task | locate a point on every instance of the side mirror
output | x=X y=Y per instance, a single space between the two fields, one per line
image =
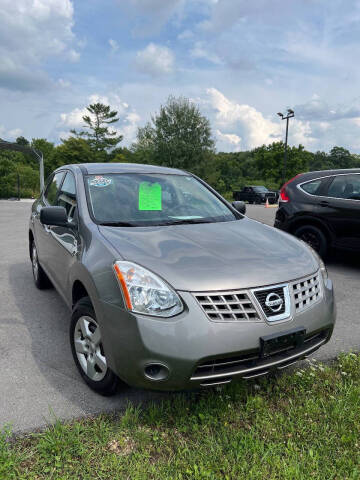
x=54 y=216
x=239 y=206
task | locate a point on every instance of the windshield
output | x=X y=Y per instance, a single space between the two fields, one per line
x=261 y=189
x=143 y=200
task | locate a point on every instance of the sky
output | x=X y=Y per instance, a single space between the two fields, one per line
x=241 y=61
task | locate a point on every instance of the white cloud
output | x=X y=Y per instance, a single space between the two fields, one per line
x=129 y=127
x=256 y=128
x=186 y=35
x=14 y=133
x=73 y=55
x=74 y=118
x=113 y=45
x=250 y=126
x=199 y=51
x=155 y=60
x=31 y=32
x=230 y=140
x=10 y=134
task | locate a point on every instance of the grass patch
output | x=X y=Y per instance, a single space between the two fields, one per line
x=303 y=425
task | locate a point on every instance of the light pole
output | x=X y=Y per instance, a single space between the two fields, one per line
x=290 y=114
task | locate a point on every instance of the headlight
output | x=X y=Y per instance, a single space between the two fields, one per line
x=144 y=292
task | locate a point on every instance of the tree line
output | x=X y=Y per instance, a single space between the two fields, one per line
x=178 y=136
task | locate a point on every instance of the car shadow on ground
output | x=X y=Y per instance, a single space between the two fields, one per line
x=47 y=319
x=340 y=258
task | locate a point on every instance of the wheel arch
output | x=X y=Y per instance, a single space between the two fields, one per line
x=31 y=240
x=78 y=292
x=315 y=222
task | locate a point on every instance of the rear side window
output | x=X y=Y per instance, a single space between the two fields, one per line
x=67 y=195
x=53 y=187
x=345 y=186
x=312 y=187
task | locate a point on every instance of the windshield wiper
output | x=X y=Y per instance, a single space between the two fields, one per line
x=118 y=224
x=184 y=221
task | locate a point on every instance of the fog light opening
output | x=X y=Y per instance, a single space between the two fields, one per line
x=156 y=371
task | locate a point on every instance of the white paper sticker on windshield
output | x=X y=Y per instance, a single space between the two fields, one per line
x=100 y=181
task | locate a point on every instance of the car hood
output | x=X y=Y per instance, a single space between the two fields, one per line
x=214 y=256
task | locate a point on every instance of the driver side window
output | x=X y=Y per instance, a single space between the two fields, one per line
x=67 y=196
x=53 y=187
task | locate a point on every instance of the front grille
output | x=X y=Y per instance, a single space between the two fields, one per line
x=251 y=363
x=274 y=303
x=228 y=307
x=306 y=292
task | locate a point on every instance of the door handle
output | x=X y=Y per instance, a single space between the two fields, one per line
x=324 y=204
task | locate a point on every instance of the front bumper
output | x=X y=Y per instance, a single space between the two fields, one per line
x=198 y=352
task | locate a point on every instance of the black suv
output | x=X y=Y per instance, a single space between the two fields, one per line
x=323 y=209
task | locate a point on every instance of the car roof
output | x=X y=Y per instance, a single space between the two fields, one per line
x=326 y=173
x=100 y=168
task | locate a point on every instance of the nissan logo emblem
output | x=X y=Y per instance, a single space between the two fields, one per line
x=274 y=302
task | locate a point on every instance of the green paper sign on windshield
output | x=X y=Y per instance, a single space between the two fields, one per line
x=149 y=196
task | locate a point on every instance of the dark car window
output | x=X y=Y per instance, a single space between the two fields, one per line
x=312 y=187
x=345 y=186
x=261 y=189
x=67 y=195
x=153 y=199
x=53 y=187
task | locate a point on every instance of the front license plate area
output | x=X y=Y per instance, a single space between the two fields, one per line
x=278 y=342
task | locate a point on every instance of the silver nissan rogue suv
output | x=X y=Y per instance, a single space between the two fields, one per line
x=170 y=286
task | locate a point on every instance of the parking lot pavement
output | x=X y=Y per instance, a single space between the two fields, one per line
x=38 y=377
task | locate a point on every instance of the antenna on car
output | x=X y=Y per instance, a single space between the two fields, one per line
x=4 y=145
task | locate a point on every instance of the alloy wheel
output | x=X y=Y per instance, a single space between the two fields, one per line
x=35 y=262
x=311 y=239
x=89 y=349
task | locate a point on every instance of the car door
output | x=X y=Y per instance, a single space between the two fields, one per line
x=64 y=242
x=248 y=194
x=42 y=232
x=342 y=204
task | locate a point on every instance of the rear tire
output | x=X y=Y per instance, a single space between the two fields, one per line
x=87 y=350
x=314 y=237
x=41 y=280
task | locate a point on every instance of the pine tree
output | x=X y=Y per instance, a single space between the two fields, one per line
x=99 y=137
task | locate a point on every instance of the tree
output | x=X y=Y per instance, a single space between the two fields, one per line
x=72 y=150
x=22 y=141
x=47 y=149
x=270 y=161
x=320 y=161
x=179 y=136
x=340 y=158
x=98 y=135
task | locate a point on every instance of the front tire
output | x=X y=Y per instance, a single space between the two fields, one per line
x=41 y=280
x=314 y=237
x=88 y=351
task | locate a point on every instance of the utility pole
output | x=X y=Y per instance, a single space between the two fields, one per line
x=290 y=114
x=18 y=186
